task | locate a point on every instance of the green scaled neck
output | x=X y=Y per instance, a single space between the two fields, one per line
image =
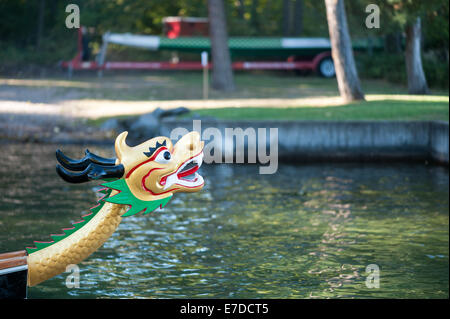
x=126 y=197
x=75 y=226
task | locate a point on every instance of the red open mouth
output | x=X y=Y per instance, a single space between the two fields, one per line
x=185 y=172
x=187 y=169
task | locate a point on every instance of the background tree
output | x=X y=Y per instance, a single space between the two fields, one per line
x=417 y=83
x=298 y=18
x=407 y=15
x=292 y=17
x=40 y=24
x=397 y=18
x=222 y=73
x=342 y=51
x=286 y=17
x=20 y=20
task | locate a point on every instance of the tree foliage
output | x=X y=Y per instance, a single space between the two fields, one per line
x=19 y=21
x=19 y=18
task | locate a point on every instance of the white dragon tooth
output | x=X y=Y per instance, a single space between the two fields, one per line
x=171 y=179
x=199 y=159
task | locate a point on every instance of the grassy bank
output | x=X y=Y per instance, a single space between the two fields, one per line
x=370 y=110
x=261 y=95
x=159 y=86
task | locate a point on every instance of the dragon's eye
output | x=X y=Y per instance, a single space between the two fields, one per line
x=163 y=157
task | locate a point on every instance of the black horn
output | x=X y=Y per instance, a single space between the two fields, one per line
x=82 y=164
x=92 y=172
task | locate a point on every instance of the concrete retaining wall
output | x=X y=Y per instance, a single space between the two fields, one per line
x=335 y=140
x=439 y=141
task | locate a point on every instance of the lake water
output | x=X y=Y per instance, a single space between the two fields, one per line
x=309 y=231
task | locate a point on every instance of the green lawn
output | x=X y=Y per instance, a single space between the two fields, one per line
x=370 y=110
x=259 y=95
x=159 y=86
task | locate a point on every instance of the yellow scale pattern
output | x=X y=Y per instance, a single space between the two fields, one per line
x=53 y=260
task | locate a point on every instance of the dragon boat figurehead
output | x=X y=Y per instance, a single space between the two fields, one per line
x=141 y=179
x=148 y=174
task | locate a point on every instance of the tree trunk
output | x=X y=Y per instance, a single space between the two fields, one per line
x=286 y=17
x=254 y=21
x=298 y=18
x=342 y=52
x=222 y=73
x=40 y=24
x=417 y=83
x=241 y=9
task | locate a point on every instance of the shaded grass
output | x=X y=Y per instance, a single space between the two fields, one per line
x=177 y=85
x=385 y=100
x=371 y=110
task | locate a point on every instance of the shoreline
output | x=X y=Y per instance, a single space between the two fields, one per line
x=298 y=141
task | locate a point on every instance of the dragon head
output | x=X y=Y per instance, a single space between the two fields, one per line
x=146 y=176
x=156 y=168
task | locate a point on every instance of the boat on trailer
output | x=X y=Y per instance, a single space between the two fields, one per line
x=294 y=53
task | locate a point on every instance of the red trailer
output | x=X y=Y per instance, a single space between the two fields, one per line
x=187 y=34
x=175 y=27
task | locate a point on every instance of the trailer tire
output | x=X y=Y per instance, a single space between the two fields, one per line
x=326 y=68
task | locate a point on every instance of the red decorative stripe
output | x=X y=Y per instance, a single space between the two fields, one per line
x=164 y=177
x=149 y=190
x=98 y=204
x=83 y=220
x=188 y=172
x=149 y=160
